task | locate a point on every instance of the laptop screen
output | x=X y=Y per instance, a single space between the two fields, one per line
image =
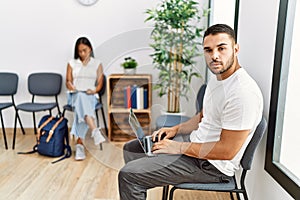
x=135 y=125
x=145 y=141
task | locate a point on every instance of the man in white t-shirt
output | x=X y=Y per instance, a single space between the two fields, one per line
x=207 y=148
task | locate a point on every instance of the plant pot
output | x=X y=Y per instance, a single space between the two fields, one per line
x=129 y=70
x=168 y=119
x=164 y=112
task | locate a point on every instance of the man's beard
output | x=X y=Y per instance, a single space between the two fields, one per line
x=228 y=65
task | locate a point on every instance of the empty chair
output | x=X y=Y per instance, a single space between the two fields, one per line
x=98 y=107
x=231 y=186
x=8 y=87
x=44 y=84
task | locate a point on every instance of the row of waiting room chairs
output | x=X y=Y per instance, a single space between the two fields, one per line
x=39 y=84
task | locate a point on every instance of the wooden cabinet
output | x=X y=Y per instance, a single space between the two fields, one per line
x=118 y=126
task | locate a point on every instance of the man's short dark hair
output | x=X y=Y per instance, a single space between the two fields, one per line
x=220 y=28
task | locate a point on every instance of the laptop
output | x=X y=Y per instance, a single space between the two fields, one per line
x=145 y=140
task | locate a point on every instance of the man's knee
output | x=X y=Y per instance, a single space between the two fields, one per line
x=132 y=150
x=126 y=175
x=129 y=187
x=124 y=183
x=130 y=146
x=121 y=176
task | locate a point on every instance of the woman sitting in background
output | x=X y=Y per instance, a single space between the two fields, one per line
x=84 y=81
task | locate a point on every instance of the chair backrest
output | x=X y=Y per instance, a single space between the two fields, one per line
x=8 y=83
x=102 y=91
x=247 y=158
x=200 y=95
x=44 y=84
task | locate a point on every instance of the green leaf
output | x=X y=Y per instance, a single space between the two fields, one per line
x=176 y=27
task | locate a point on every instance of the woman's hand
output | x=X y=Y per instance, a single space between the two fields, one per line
x=164 y=133
x=70 y=86
x=90 y=91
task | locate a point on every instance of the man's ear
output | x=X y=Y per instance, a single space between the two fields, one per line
x=236 y=48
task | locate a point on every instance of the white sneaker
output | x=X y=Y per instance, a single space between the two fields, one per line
x=80 y=153
x=98 y=136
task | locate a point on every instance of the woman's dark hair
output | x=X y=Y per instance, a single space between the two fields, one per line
x=85 y=41
x=220 y=28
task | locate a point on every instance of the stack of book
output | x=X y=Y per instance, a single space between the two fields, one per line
x=135 y=97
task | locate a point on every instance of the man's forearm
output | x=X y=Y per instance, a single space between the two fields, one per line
x=190 y=125
x=226 y=148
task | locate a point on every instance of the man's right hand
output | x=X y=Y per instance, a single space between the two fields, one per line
x=164 y=133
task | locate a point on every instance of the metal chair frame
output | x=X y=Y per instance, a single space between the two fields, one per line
x=8 y=87
x=44 y=84
x=231 y=186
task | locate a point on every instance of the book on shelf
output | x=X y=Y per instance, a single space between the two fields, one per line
x=135 y=97
x=127 y=99
x=145 y=98
x=140 y=97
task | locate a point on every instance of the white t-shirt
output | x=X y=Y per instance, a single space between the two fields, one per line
x=84 y=77
x=235 y=103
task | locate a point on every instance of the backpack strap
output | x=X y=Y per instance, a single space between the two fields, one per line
x=34 y=149
x=67 y=155
x=41 y=127
x=53 y=129
x=44 y=124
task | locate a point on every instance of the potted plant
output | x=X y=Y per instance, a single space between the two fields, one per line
x=176 y=36
x=129 y=65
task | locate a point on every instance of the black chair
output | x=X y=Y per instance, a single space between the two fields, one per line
x=44 y=85
x=8 y=87
x=231 y=186
x=98 y=107
x=172 y=120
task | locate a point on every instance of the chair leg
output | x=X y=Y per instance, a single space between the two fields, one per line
x=104 y=121
x=34 y=124
x=231 y=196
x=59 y=113
x=97 y=118
x=15 y=130
x=98 y=125
x=245 y=195
x=172 y=193
x=63 y=113
x=3 y=130
x=19 y=119
x=165 y=192
x=238 y=196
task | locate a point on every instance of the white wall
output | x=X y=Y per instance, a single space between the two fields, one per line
x=40 y=36
x=257 y=35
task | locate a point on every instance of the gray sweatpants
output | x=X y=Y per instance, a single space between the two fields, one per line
x=141 y=172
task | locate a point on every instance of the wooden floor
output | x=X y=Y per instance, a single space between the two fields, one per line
x=34 y=177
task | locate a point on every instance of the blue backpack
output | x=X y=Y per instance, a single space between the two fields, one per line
x=52 y=138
